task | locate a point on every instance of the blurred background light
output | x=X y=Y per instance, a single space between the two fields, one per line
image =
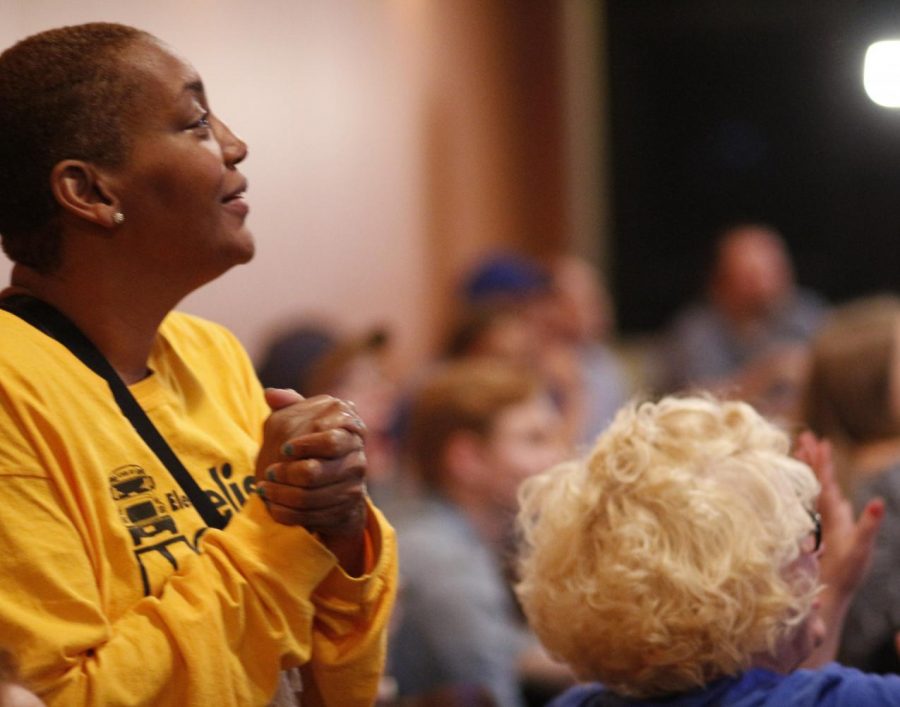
x=881 y=73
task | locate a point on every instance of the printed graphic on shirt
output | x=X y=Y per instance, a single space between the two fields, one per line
x=229 y=493
x=149 y=515
x=141 y=510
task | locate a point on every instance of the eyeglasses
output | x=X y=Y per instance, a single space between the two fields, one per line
x=814 y=541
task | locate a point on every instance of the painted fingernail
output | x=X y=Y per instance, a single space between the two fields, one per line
x=288 y=450
x=270 y=473
x=261 y=491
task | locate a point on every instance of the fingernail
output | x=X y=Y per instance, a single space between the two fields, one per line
x=261 y=491
x=270 y=473
x=288 y=450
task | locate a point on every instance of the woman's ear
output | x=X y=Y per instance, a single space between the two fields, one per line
x=81 y=190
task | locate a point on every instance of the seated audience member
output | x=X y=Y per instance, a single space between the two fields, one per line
x=12 y=694
x=477 y=427
x=853 y=398
x=506 y=332
x=586 y=322
x=314 y=360
x=748 y=338
x=514 y=308
x=679 y=564
x=496 y=330
x=507 y=310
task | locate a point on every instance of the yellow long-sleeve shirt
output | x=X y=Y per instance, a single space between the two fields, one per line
x=112 y=592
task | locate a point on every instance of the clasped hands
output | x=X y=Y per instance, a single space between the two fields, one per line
x=311 y=470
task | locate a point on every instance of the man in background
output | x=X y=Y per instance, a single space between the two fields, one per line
x=748 y=337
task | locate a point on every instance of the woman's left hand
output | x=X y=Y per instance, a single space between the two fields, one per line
x=847 y=543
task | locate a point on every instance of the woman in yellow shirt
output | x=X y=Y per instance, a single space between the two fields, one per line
x=125 y=582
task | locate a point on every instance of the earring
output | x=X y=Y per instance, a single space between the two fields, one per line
x=118 y=218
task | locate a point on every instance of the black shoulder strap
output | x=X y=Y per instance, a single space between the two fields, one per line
x=56 y=325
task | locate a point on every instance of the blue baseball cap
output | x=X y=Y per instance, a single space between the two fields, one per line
x=507 y=276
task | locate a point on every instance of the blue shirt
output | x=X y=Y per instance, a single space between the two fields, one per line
x=831 y=686
x=456 y=624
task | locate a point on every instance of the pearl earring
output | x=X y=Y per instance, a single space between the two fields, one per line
x=118 y=218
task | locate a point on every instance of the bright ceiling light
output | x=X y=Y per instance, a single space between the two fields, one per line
x=881 y=73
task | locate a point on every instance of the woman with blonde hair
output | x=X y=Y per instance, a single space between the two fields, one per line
x=678 y=564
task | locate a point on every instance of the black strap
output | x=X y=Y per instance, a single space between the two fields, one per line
x=56 y=325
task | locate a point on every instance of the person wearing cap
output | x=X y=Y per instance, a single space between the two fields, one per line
x=555 y=319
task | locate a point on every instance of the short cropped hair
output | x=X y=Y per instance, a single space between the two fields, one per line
x=463 y=396
x=851 y=385
x=664 y=559
x=63 y=95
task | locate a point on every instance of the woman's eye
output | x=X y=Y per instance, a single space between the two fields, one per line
x=202 y=123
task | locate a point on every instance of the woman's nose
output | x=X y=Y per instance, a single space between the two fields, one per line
x=234 y=150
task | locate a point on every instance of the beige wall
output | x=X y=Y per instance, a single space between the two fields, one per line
x=391 y=141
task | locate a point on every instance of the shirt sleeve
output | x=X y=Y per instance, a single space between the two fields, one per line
x=347 y=662
x=259 y=597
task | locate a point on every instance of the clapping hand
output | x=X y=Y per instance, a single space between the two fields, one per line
x=847 y=542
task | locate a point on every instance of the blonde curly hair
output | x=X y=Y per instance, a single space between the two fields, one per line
x=665 y=559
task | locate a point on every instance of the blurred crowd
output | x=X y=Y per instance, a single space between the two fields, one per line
x=530 y=373
x=711 y=521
